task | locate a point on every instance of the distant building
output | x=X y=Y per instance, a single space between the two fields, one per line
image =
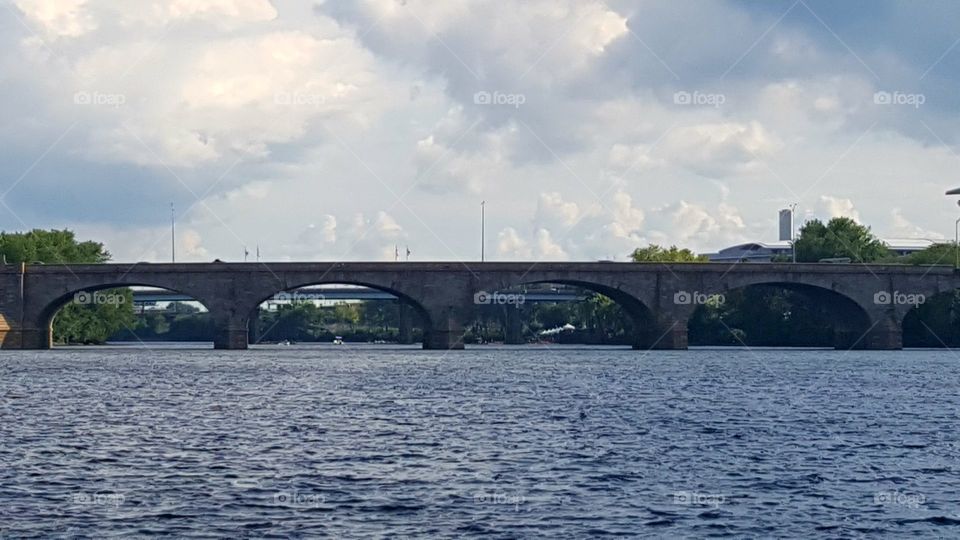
x=752 y=252
x=766 y=251
x=786 y=225
x=906 y=246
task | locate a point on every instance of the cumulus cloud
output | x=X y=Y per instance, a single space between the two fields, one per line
x=838 y=207
x=342 y=129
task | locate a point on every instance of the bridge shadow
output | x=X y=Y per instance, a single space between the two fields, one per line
x=780 y=315
x=935 y=323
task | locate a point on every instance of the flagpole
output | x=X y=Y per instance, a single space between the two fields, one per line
x=173 y=235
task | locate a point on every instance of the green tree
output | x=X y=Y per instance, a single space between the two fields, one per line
x=655 y=253
x=840 y=237
x=945 y=254
x=88 y=322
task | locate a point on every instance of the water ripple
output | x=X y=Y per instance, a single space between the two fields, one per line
x=498 y=442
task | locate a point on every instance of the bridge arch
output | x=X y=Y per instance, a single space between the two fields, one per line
x=41 y=317
x=406 y=301
x=851 y=320
x=648 y=330
x=933 y=321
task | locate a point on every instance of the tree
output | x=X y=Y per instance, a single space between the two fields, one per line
x=945 y=254
x=50 y=247
x=655 y=253
x=87 y=322
x=840 y=237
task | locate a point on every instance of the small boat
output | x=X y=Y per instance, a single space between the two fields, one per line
x=285 y=342
x=338 y=340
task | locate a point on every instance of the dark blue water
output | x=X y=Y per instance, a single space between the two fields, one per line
x=499 y=442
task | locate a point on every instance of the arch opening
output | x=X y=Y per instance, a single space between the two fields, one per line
x=561 y=311
x=934 y=323
x=780 y=314
x=338 y=312
x=125 y=313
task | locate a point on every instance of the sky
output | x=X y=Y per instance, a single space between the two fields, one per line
x=336 y=130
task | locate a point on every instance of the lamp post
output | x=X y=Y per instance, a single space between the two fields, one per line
x=483 y=232
x=956 y=240
x=956 y=230
x=173 y=234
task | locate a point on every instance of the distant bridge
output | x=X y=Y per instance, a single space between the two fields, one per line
x=150 y=296
x=867 y=302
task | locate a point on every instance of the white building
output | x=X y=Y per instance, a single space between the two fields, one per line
x=766 y=251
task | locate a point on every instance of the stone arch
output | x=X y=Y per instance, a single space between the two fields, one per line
x=38 y=327
x=852 y=321
x=405 y=298
x=649 y=330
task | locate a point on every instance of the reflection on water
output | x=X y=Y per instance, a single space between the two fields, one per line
x=560 y=442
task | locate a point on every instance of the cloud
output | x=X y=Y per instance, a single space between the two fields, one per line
x=59 y=18
x=340 y=129
x=838 y=207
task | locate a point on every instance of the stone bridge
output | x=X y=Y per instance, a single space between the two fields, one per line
x=867 y=302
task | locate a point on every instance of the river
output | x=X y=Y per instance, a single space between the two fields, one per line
x=502 y=442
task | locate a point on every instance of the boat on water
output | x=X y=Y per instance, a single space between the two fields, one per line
x=338 y=340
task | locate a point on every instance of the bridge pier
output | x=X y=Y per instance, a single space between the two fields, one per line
x=26 y=339
x=231 y=333
x=35 y=338
x=445 y=328
x=443 y=339
x=886 y=335
x=666 y=335
x=405 y=324
x=514 y=329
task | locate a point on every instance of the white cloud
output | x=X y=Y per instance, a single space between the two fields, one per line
x=337 y=130
x=838 y=207
x=59 y=18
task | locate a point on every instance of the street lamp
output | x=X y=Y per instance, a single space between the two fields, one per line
x=956 y=231
x=483 y=231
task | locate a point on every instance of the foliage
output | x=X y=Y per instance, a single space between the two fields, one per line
x=936 y=254
x=94 y=323
x=50 y=247
x=75 y=323
x=655 y=253
x=840 y=237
